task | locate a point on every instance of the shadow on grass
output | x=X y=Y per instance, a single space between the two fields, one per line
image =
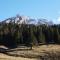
x=3 y=50
x=7 y=51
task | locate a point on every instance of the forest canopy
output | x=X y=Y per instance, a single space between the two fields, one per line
x=17 y=34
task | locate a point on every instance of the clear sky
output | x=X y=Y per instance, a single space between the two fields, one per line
x=49 y=9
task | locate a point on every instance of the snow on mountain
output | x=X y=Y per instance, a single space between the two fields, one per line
x=44 y=21
x=26 y=20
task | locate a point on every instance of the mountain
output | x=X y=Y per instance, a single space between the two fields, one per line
x=26 y=20
x=44 y=21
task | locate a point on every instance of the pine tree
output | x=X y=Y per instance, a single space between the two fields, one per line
x=41 y=37
x=32 y=38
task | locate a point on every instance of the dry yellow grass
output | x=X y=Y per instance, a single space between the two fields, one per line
x=6 y=57
x=48 y=48
x=36 y=53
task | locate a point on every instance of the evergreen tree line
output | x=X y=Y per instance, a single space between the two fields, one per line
x=13 y=35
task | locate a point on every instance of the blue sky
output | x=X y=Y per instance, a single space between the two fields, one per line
x=49 y=9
